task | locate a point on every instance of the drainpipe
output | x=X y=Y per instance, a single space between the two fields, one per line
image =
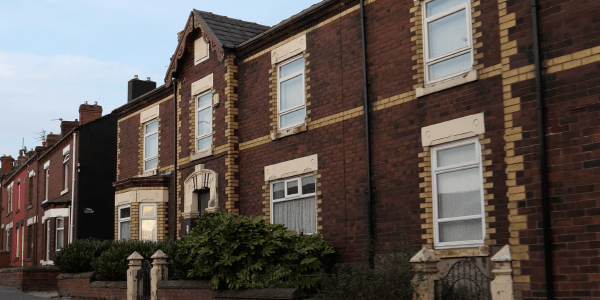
x=174 y=82
x=74 y=163
x=543 y=162
x=367 y=136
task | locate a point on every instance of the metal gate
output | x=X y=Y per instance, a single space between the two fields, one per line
x=143 y=277
x=464 y=281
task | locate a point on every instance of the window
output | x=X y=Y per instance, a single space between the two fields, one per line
x=47 y=184
x=151 y=146
x=148 y=222
x=125 y=223
x=30 y=241
x=30 y=191
x=66 y=172
x=10 y=198
x=17 y=245
x=458 y=206
x=293 y=204
x=447 y=38
x=204 y=122
x=19 y=195
x=48 y=240
x=8 y=238
x=291 y=106
x=60 y=233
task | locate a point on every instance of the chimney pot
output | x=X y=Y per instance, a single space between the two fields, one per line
x=148 y=79
x=135 y=77
x=136 y=88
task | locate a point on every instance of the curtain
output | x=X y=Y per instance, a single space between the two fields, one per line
x=298 y=215
x=459 y=193
x=464 y=230
x=438 y=6
x=125 y=230
x=292 y=118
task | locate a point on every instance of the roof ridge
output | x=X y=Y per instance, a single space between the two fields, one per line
x=240 y=20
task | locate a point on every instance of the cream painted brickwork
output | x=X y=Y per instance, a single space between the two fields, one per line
x=427 y=194
x=161 y=220
x=231 y=105
x=142 y=109
x=118 y=152
x=142 y=188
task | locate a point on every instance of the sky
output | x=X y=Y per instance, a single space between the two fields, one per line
x=57 y=54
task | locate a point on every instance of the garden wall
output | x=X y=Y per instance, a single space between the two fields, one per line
x=199 y=289
x=81 y=285
x=30 y=278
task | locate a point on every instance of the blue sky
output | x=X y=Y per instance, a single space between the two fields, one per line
x=56 y=54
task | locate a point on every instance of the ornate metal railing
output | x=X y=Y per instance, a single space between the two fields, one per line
x=143 y=277
x=464 y=281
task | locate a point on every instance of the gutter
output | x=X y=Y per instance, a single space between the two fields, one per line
x=543 y=160
x=367 y=137
x=174 y=82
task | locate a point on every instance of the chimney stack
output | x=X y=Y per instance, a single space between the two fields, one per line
x=7 y=163
x=52 y=139
x=136 y=87
x=89 y=112
x=67 y=126
x=22 y=159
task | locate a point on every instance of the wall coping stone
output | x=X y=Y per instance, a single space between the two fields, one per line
x=76 y=275
x=31 y=269
x=187 y=284
x=289 y=293
x=109 y=284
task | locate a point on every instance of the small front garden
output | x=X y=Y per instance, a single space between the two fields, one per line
x=242 y=252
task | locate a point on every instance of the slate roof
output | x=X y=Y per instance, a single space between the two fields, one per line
x=231 y=32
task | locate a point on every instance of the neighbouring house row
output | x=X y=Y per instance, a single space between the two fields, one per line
x=363 y=121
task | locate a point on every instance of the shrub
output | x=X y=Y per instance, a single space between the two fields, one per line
x=389 y=279
x=235 y=252
x=80 y=255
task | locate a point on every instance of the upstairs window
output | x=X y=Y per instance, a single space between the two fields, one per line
x=293 y=204
x=204 y=122
x=19 y=195
x=46 y=184
x=150 y=146
x=291 y=106
x=9 y=203
x=447 y=38
x=457 y=181
x=66 y=172
x=125 y=223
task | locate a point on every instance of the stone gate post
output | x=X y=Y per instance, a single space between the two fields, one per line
x=425 y=263
x=502 y=285
x=159 y=269
x=135 y=264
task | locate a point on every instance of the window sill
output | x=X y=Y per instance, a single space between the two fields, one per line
x=149 y=173
x=463 y=78
x=43 y=202
x=64 y=192
x=29 y=207
x=289 y=131
x=46 y=263
x=463 y=251
x=201 y=154
x=17 y=211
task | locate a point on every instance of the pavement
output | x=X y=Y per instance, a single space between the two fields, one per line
x=7 y=293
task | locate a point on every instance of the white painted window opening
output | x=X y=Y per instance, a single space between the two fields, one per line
x=204 y=122
x=60 y=233
x=294 y=204
x=48 y=240
x=148 y=222
x=18 y=195
x=8 y=239
x=291 y=104
x=448 y=38
x=10 y=198
x=125 y=222
x=47 y=184
x=66 y=173
x=17 y=244
x=458 y=202
x=151 y=146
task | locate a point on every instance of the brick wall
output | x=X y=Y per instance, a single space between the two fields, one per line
x=30 y=278
x=81 y=286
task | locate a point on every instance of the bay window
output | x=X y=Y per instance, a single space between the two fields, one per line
x=204 y=122
x=293 y=204
x=291 y=105
x=150 y=146
x=457 y=180
x=60 y=233
x=148 y=222
x=125 y=222
x=447 y=38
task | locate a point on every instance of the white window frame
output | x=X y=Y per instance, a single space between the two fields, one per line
x=155 y=218
x=435 y=171
x=66 y=173
x=146 y=135
x=47 y=187
x=198 y=109
x=121 y=220
x=279 y=81
x=8 y=238
x=468 y=49
x=10 y=197
x=300 y=195
x=56 y=249
x=48 y=240
x=19 y=195
x=17 y=245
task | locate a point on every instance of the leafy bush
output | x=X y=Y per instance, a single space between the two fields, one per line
x=112 y=264
x=235 y=252
x=80 y=255
x=389 y=279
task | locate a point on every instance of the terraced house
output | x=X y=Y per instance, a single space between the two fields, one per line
x=470 y=126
